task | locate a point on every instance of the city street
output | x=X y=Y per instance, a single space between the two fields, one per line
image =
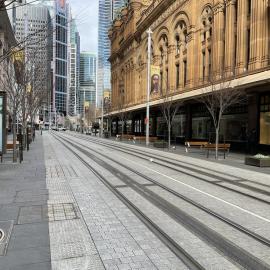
x=81 y=202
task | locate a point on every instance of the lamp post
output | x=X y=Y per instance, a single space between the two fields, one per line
x=149 y=32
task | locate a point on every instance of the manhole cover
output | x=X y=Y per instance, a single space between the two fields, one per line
x=2 y=235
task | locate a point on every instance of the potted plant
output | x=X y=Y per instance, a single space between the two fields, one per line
x=258 y=160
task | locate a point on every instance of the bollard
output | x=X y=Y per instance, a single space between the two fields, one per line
x=20 y=139
x=27 y=138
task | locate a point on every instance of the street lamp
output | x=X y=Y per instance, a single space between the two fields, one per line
x=149 y=32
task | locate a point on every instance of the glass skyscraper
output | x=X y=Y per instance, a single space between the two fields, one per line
x=87 y=79
x=74 y=68
x=60 y=57
x=107 y=11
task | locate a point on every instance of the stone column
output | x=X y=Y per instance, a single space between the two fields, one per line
x=190 y=59
x=241 y=50
x=133 y=84
x=230 y=37
x=266 y=35
x=171 y=68
x=218 y=39
x=257 y=33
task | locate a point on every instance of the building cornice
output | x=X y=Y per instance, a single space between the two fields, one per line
x=244 y=82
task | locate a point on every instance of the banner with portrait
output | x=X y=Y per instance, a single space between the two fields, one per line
x=155 y=80
x=106 y=99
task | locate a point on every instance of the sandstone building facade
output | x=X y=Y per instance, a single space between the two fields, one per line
x=193 y=41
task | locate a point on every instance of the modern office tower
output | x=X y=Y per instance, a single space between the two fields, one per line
x=107 y=11
x=87 y=79
x=32 y=27
x=74 y=68
x=60 y=56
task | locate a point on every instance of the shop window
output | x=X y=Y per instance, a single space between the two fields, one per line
x=265 y=120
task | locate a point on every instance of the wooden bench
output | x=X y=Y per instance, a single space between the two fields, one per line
x=124 y=137
x=198 y=144
x=143 y=138
x=225 y=147
x=10 y=146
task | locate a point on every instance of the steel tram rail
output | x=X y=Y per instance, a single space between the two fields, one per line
x=230 y=250
x=186 y=258
x=155 y=159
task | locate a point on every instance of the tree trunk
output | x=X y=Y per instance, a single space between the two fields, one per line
x=169 y=135
x=123 y=126
x=14 y=138
x=217 y=141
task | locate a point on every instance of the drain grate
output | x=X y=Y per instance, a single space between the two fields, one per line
x=2 y=235
x=5 y=232
x=62 y=211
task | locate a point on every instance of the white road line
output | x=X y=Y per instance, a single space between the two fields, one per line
x=198 y=190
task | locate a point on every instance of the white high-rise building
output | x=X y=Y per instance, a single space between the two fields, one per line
x=32 y=27
x=74 y=70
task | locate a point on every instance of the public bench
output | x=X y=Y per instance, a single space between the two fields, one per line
x=143 y=138
x=124 y=137
x=224 y=147
x=10 y=146
x=197 y=144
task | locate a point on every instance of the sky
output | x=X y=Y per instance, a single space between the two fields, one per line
x=86 y=15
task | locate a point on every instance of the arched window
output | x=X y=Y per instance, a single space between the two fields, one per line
x=207 y=25
x=180 y=36
x=207 y=21
x=181 y=39
x=163 y=49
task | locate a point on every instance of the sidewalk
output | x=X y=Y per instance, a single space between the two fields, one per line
x=23 y=212
x=232 y=159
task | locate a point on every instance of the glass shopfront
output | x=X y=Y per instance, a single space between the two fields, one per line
x=129 y=126
x=233 y=127
x=178 y=126
x=201 y=127
x=265 y=119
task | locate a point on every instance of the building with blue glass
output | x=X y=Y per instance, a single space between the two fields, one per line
x=87 y=79
x=107 y=11
x=60 y=57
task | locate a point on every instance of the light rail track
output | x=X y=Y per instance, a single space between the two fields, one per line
x=168 y=164
x=235 y=253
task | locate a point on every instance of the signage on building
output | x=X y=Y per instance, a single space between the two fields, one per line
x=106 y=99
x=18 y=58
x=155 y=80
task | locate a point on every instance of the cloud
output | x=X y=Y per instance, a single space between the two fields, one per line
x=86 y=15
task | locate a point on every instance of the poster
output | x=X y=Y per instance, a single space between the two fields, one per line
x=155 y=80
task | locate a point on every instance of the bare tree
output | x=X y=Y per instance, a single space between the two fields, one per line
x=122 y=110
x=90 y=114
x=169 y=108
x=106 y=110
x=11 y=81
x=218 y=97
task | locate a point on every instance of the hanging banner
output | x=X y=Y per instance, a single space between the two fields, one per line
x=155 y=80
x=18 y=57
x=86 y=104
x=106 y=99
